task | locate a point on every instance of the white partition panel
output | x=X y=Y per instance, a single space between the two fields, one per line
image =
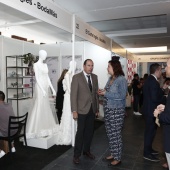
x=1 y=64
x=52 y=49
x=79 y=51
x=10 y=47
x=31 y=48
x=100 y=57
x=66 y=54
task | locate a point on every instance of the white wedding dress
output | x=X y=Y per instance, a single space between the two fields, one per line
x=64 y=136
x=41 y=121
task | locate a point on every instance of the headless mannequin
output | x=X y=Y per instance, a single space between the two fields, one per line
x=42 y=57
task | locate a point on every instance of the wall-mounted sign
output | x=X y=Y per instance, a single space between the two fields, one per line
x=89 y=33
x=43 y=10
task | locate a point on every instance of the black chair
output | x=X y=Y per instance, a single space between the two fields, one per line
x=16 y=129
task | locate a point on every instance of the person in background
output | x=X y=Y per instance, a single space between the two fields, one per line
x=153 y=95
x=136 y=86
x=6 y=111
x=141 y=93
x=142 y=81
x=145 y=76
x=162 y=112
x=167 y=81
x=60 y=95
x=114 y=110
x=162 y=79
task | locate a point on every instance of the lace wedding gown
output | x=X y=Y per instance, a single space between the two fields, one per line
x=41 y=121
x=64 y=136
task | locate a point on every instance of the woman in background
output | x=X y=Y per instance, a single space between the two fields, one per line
x=60 y=95
x=114 y=110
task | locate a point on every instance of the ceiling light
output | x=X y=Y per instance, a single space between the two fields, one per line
x=147 y=49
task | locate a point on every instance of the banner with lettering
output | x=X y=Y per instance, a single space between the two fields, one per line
x=43 y=10
x=89 y=33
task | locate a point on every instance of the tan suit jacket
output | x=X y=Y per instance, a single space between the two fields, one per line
x=81 y=96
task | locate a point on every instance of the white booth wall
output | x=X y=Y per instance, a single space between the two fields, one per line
x=100 y=57
x=11 y=47
x=62 y=53
x=1 y=63
x=83 y=50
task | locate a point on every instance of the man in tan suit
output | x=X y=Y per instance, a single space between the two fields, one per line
x=85 y=106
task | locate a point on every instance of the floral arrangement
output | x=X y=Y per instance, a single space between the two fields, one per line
x=30 y=58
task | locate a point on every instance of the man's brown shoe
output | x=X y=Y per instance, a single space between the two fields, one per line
x=76 y=160
x=88 y=154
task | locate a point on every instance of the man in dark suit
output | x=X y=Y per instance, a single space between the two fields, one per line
x=153 y=96
x=84 y=105
x=163 y=113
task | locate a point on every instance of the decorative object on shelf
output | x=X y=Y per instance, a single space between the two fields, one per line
x=12 y=74
x=26 y=85
x=30 y=59
x=20 y=95
x=14 y=84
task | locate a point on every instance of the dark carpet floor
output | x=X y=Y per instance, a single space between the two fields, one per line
x=29 y=158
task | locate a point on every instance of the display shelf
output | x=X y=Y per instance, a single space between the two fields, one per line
x=17 y=67
x=16 y=76
x=19 y=87
x=18 y=98
x=19 y=77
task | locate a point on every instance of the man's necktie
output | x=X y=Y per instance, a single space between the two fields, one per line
x=89 y=82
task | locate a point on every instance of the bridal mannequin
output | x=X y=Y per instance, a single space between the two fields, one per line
x=41 y=122
x=67 y=122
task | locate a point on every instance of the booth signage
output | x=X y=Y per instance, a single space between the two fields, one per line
x=87 y=32
x=152 y=58
x=43 y=10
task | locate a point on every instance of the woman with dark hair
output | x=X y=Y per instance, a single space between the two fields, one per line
x=114 y=110
x=60 y=95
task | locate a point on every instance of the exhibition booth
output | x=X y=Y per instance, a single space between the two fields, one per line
x=64 y=37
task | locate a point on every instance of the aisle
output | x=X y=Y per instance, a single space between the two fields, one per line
x=132 y=152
